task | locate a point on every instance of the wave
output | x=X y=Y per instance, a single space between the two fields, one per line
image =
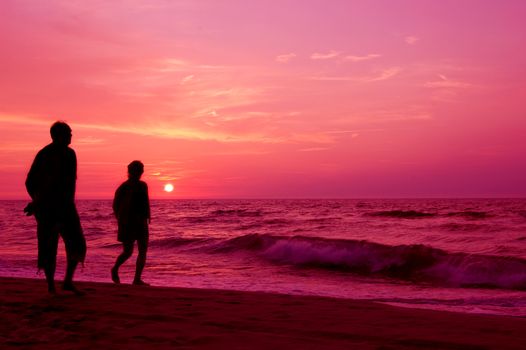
x=199 y=219
x=413 y=214
x=178 y=242
x=404 y=214
x=237 y=212
x=418 y=263
x=470 y=214
x=452 y=226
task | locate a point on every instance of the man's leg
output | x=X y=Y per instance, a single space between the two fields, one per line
x=127 y=251
x=70 y=271
x=47 y=235
x=142 y=245
x=49 y=271
x=75 y=249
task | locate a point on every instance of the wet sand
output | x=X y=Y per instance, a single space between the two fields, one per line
x=130 y=317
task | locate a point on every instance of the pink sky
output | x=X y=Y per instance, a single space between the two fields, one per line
x=303 y=98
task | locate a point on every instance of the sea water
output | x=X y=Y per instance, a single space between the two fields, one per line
x=466 y=255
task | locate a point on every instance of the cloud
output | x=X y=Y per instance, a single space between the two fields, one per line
x=384 y=75
x=166 y=65
x=362 y=58
x=411 y=40
x=26 y=120
x=16 y=147
x=285 y=58
x=319 y=137
x=332 y=78
x=444 y=82
x=314 y=149
x=325 y=56
x=187 y=79
x=353 y=133
x=169 y=131
x=90 y=140
x=174 y=131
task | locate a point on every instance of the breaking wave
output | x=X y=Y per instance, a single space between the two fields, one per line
x=474 y=215
x=419 y=263
x=403 y=214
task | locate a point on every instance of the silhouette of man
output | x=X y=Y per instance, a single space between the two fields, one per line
x=131 y=206
x=51 y=184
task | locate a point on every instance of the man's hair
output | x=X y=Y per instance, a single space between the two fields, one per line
x=59 y=128
x=136 y=168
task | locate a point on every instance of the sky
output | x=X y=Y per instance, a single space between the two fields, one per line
x=270 y=99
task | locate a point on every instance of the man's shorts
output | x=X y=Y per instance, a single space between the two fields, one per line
x=65 y=223
x=134 y=231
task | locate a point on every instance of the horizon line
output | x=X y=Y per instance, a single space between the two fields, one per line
x=290 y=198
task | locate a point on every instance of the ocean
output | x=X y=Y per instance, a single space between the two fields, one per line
x=466 y=255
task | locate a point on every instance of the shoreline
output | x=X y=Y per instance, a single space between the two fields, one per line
x=165 y=317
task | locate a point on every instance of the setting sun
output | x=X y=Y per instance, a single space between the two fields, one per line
x=168 y=187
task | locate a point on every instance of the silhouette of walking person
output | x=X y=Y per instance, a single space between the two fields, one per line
x=131 y=207
x=51 y=183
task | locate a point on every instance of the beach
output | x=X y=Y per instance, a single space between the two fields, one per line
x=131 y=317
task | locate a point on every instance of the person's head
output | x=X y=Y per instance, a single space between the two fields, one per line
x=60 y=133
x=135 y=169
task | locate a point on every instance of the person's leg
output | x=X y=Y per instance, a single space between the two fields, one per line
x=142 y=245
x=75 y=244
x=49 y=271
x=127 y=251
x=68 y=279
x=47 y=236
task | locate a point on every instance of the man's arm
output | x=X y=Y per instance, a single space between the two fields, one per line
x=71 y=179
x=33 y=176
x=147 y=204
x=117 y=202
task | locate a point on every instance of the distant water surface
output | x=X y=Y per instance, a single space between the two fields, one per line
x=461 y=255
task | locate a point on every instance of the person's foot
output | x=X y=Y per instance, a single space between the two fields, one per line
x=115 y=276
x=140 y=283
x=51 y=289
x=68 y=286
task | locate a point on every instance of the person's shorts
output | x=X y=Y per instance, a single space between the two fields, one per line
x=131 y=232
x=67 y=225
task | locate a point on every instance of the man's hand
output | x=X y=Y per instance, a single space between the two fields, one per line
x=29 y=209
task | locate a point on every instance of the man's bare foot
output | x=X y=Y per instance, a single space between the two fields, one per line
x=51 y=290
x=140 y=283
x=115 y=276
x=68 y=286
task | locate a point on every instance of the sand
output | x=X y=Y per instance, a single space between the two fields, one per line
x=131 y=317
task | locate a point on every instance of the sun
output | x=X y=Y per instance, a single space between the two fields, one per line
x=168 y=187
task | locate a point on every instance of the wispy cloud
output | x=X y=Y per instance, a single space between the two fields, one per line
x=161 y=130
x=16 y=147
x=167 y=65
x=332 y=78
x=90 y=140
x=411 y=40
x=382 y=75
x=187 y=79
x=25 y=120
x=444 y=82
x=314 y=149
x=385 y=74
x=368 y=57
x=168 y=130
x=285 y=58
x=325 y=56
x=183 y=133
x=353 y=133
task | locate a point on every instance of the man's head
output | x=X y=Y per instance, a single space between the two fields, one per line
x=135 y=169
x=60 y=133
